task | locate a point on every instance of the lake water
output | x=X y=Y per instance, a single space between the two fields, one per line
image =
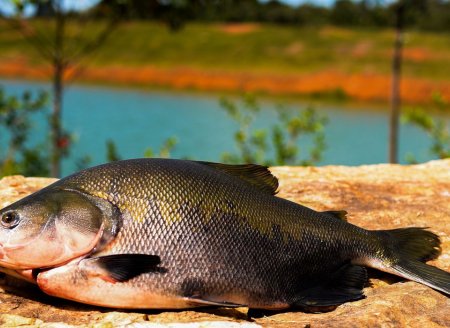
x=138 y=119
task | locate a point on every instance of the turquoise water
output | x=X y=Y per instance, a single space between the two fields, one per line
x=137 y=119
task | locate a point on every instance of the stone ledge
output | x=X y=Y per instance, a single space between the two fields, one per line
x=376 y=197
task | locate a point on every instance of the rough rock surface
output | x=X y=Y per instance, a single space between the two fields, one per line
x=376 y=197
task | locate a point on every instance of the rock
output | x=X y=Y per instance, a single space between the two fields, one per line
x=375 y=196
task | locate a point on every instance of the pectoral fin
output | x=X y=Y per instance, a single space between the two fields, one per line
x=122 y=267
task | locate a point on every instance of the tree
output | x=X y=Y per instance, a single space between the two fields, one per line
x=345 y=12
x=52 y=43
x=173 y=13
x=401 y=8
x=395 y=84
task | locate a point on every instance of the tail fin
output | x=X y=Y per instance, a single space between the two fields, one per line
x=406 y=251
x=425 y=274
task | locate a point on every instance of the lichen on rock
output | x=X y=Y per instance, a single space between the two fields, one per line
x=375 y=196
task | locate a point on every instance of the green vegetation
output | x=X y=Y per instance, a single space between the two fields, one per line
x=112 y=154
x=15 y=122
x=279 y=144
x=164 y=150
x=19 y=154
x=429 y=14
x=260 y=48
x=438 y=130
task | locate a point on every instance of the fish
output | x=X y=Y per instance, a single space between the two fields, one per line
x=173 y=234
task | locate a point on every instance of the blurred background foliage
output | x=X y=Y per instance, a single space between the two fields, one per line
x=165 y=32
x=438 y=130
x=21 y=157
x=277 y=145
x=430 y=15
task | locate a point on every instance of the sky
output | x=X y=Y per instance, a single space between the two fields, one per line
x=5 y=5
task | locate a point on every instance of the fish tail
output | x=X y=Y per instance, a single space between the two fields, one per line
x=405 y=251
x=425 y=274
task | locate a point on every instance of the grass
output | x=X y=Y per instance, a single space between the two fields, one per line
x=265 y=48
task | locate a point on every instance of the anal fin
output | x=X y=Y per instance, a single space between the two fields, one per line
x=196 y=292
x=204 y=302
x=346 y=285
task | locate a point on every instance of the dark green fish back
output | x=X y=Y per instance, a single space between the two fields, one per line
x=219 y=234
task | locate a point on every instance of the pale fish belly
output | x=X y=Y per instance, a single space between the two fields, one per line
x=71 y=282
x=77 y=282
x=94 y=290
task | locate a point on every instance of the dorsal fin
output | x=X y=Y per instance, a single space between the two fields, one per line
x=342 y=215
x=257 y=175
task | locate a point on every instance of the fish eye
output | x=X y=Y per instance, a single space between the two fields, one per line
x=10 y=220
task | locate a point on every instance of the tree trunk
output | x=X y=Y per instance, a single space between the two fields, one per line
x=58 y=88
x=56 y=120
x=395 y=86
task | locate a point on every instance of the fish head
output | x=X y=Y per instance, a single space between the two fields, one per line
x=48 y=228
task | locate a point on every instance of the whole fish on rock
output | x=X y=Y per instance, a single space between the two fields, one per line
x=159 y=233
